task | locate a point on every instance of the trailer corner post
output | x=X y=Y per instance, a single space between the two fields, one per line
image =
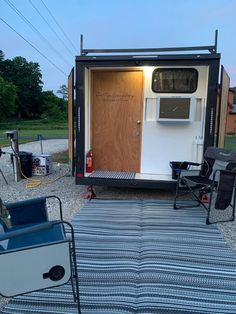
x=80 y=117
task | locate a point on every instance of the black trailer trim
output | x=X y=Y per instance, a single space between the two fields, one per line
x=140 y=58
x=73 y=162
x=135 y=183
x=80 y=117
x=210 y=124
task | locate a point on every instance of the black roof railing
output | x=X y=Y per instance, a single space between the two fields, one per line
x=212 y=49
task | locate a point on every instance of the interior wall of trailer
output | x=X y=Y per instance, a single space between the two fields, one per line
x=163 y=142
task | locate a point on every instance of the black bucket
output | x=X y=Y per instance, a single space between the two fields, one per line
x=26 y=164
x=176 y=166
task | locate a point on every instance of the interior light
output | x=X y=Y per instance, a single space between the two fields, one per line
x=148 y=71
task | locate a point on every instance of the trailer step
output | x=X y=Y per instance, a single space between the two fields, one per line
x=113 y=175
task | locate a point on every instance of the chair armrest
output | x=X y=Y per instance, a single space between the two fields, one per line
x=185 y=166
x=23 y=231
x=190 y=163
x=216 y=174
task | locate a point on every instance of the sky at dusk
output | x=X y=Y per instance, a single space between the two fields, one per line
x=113 y=24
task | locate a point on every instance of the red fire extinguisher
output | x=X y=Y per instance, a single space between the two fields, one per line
x=89 y=161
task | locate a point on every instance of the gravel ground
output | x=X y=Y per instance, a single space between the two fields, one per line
x=72 y=195
x=65 y=188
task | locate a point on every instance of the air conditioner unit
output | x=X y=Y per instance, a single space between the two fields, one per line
x=175 y=109
x=42 y=165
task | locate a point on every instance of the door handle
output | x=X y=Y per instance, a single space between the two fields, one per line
x=138 y=124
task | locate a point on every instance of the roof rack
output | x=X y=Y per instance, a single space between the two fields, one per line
x=212 y=49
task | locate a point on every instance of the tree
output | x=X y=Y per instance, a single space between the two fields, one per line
x=23 y=96
x=1 y=55
x=1 y=61
x=63 y=90
x=7 y=99
x=27 y=77
x=53 y=106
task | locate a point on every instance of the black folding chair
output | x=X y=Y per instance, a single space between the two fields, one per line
x=213 y=187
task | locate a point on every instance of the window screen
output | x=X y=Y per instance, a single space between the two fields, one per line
x=173 y=80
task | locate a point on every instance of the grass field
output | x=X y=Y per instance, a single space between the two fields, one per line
x=61 y=157
x=230 y=142
x=30 y=129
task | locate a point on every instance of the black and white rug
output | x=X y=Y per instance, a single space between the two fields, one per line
x=141 y=256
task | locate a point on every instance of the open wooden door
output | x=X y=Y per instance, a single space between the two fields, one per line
x=116 y=119
x=223 y=107
x=71 y=120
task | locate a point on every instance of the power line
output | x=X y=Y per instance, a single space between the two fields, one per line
x=13 y=7
x=43 y=55
x=35 y=30
x=59 y=26
x=55 y=33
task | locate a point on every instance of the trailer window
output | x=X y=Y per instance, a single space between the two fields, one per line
x=173 y=80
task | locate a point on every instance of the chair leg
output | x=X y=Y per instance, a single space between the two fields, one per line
x=208 y=220
x=176 y=193
x=190 y=190
x=74 y=276
x=234 y=205
x=4 y=178
x=75 y=288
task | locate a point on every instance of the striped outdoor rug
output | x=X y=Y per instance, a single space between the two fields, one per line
x=141 y=256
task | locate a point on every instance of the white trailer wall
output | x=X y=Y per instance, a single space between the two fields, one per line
x=163 y=142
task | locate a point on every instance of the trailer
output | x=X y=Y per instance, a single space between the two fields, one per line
x=138 y=110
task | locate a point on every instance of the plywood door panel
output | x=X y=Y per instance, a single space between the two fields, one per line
x=117 y=102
